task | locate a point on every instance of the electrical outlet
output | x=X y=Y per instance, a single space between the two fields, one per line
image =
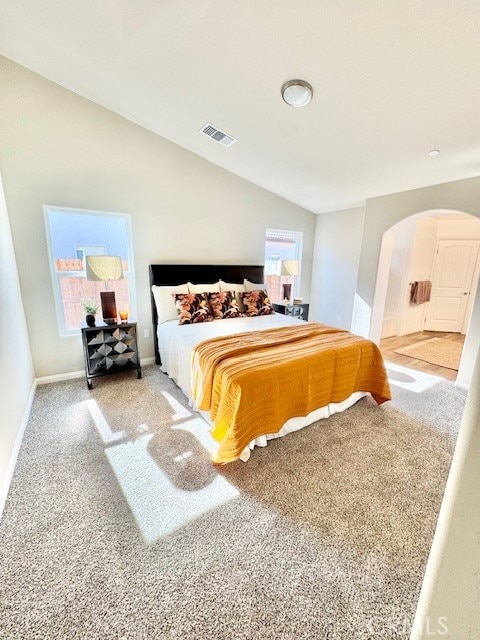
x=146 y=333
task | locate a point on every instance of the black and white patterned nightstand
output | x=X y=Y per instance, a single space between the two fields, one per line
x=109 y=349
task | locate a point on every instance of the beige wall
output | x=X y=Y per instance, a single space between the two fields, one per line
x=403 y=235
x=423 y=252
x=60 y=149
x=451 y=587
x=16 y=370
x=338 y=240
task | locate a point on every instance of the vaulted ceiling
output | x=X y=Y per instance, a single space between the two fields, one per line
x=392 y=80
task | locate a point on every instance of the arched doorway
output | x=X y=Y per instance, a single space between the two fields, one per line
x=409 y=252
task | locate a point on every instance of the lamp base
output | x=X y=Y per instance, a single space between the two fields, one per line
x=109 y=307
x=287 y=291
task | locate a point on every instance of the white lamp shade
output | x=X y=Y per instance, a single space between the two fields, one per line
x=289 y=268
x=104 y=268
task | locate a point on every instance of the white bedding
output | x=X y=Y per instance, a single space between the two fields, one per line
x=176 y=343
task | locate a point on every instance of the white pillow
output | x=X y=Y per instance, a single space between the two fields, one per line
x=204 y=288
x=253 y=286
x=232 y=286
x=165 y=302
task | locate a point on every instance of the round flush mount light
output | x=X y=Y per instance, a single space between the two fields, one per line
x=297 y=93
x=434 y=152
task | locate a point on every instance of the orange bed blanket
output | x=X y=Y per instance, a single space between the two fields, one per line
x=252 y=383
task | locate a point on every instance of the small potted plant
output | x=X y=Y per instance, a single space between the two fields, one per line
x=91 y=308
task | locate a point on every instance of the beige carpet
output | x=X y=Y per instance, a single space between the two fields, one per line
x=117 y=525
x=439 y=351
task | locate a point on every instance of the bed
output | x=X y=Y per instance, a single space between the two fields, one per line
x=258 y=378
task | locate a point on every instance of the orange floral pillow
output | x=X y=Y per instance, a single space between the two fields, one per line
x=224 y=305
x=192 y=308
x=257 y=303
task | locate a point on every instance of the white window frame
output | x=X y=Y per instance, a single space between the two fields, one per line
x=82 y=247
x=298 y=252
x=59 y=308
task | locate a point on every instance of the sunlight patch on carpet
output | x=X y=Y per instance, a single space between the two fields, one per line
x=167 y=477
x=410 y=379
x=164 y=497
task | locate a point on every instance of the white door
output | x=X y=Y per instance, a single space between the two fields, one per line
x=452 y=278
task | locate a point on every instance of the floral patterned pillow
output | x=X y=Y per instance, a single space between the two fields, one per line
x=224 y=305
x=257 y=303
x=192 y=308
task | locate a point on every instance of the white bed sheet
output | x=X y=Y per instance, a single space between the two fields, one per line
x=176 y=343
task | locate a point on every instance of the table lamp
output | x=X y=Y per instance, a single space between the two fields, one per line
x=105 y=268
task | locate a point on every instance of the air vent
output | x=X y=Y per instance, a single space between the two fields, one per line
x=217 y=135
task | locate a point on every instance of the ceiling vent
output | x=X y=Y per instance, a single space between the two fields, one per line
x=217 y=135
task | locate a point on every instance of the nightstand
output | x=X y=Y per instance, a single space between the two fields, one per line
x=109 y=349
x=295 y=310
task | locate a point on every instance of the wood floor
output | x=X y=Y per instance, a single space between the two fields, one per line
x=387 y=346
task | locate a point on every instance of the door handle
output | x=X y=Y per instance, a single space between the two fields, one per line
x=465 y=293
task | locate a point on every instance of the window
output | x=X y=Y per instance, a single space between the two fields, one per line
x=73 y=234
x=281 y=245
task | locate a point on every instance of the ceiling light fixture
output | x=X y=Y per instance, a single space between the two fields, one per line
x=297 y=93
x=434 y=152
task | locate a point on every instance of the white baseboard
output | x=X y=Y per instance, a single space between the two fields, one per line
x=7 y=479
x=462 y=385
x=59 y=377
